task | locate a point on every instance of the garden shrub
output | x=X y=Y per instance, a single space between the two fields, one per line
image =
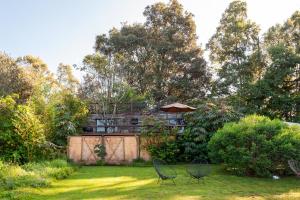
x=22 y=134
x=159 y=141
x=33 y=174
x=30 y=130
x=256 y=146
x=68 y=115
x=13 y=176
x=167 y=151
x=11 y=145
x=201 y=125
x=100 y=151
x=192 y=143
x=57 y=169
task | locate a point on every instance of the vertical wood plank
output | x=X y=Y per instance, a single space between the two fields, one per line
x=81 y=148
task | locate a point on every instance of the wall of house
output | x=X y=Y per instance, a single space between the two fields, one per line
x=124 y=122
x=119 y=148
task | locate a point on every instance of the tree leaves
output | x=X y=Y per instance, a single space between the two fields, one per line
x=159 y=57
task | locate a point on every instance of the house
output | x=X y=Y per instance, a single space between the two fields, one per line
x=129 y=121
x=120 y=132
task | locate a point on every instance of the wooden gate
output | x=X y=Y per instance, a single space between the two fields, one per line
x=87 y=149
x=115 y=149
x=119 y=148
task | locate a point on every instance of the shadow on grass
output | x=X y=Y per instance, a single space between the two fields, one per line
x=113 y=182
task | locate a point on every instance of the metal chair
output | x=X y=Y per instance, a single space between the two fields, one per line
x=198 y=170
x=295 y=166
x=164 y=171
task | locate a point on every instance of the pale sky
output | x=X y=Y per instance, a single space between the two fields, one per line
x=65 y=30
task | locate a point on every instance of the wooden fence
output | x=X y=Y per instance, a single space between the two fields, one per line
x=119 y=148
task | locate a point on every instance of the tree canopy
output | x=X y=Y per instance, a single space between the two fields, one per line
x=231 y=47
x=161 y=56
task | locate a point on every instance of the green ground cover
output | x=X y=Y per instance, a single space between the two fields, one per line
x=121 y=182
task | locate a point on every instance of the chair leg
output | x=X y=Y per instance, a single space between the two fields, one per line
x=158 y=180
x=173 y=181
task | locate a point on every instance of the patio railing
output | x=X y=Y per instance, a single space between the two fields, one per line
x=123 y=129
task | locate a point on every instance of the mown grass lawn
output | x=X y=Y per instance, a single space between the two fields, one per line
x=121 y=182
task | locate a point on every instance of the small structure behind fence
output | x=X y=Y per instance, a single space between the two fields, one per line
x=120 y=132
x=119 y=148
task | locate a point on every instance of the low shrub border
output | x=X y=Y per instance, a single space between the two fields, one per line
x=32 y=174
x=256 y=146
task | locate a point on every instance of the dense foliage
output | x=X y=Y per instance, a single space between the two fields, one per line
x=100 y=151
x=174 y=146
x=160 y=61
x=258 y=75
x=256 y=145
x=277 y=94
x=201 y=125
x=11 y=146
x=69 y=114
x=30 y=131
x=161 y=56
x=159 y=141
x=232 y=48
x=13 y=78
x=31 y=175
x=37 y=112
x=21 y=131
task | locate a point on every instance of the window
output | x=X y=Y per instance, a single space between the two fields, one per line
x=173 y=122
x=106 y=126
x=134 y=121
x=100 y=125
x=111 y=126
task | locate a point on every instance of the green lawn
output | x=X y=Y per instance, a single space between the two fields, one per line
x=120 y=182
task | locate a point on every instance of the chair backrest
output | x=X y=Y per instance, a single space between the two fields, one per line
x=295 y=166
x=198 y=168
x=163 y=169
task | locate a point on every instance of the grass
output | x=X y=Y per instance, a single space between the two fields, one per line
x=122 y=182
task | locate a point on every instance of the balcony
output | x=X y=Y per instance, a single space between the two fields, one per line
x=129 y=124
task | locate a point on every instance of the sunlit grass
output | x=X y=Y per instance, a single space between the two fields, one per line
x=112 y=182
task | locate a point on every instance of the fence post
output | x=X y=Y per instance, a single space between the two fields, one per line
x=81 y=149
x=123 y=138
x=138 y=146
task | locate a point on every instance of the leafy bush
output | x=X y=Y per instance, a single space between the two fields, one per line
x=201 y=125
x=21 y=132
x=167 y=151
x=192 y=143
x=57 y=169
x=100 y=151
x=13 y=176
x=29 y=129
x=256 y=146
x=11 y=146
x=68 y=114
x=158 y=140
x=154 y=131
x=33 y=174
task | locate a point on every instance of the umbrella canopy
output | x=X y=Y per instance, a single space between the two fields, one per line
x=177 y=107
